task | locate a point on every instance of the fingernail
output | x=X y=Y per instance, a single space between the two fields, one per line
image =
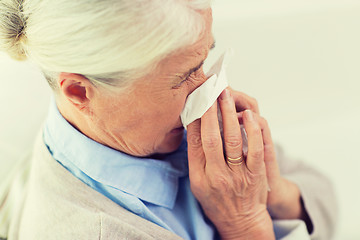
x=249 y=115
x=225 y=94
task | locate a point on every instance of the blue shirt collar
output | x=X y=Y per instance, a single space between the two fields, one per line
x=151 y=180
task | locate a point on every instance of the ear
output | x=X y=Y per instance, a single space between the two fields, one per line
x=76 y=88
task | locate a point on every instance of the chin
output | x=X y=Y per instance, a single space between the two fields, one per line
x=171 y=142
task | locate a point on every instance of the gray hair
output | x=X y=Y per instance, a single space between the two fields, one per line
x=111 y=42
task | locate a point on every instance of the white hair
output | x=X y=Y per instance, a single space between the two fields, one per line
x=111 y=42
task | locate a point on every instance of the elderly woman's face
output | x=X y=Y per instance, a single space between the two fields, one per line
x=146 y=120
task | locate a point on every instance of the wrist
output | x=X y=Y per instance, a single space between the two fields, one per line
x=284 y=201
x=289 y=205
x=258 y=226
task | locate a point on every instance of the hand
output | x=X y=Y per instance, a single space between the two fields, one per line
x=232 y=196
x=244 y=101
x=283 y=194
x=284 y=199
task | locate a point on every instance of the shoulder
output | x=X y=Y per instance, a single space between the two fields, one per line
x=59 y=206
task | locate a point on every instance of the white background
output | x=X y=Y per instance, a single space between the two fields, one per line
x=300 y=59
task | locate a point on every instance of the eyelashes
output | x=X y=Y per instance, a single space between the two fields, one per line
x=194 y=71
x=182 y=81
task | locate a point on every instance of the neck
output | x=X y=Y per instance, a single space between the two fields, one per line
x=84 y=123
x=74 y=117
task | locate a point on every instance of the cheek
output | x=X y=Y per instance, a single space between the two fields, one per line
x=117 y=113
x=176 y=104
x=163 y=114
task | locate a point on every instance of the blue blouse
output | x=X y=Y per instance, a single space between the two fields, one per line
x=157 y=190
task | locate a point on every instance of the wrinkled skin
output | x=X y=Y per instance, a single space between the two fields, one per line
x=145 y=120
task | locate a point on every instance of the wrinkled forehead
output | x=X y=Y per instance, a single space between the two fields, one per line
x=195 y=53
x=186 y=57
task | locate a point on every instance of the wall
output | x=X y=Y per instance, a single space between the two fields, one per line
x=300 y=59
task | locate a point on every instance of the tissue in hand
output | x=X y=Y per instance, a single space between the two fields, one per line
x=202 y=98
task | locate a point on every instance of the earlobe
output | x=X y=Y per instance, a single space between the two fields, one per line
x=76 y=89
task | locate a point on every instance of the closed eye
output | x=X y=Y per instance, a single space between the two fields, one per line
x=185 y=79
x=182 y=81
x=189 y=74
x=191 y=71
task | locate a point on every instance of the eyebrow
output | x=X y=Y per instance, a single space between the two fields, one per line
x=187 y=74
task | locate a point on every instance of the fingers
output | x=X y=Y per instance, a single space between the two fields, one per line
x=243 y=102
x=232 y=132
x=205 y=143
x=255 y=157
x=211 y=138
x=195 y=151
x=272 y=169
x=267 y=139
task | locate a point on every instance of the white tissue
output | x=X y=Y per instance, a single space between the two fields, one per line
x=202 y=98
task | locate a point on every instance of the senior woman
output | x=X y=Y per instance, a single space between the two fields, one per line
x=113 y=160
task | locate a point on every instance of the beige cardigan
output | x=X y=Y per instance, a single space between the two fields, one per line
x=59 y=206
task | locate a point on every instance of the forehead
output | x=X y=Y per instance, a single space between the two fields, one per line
x=186 y=57
x=182 y=60
x=202 y=45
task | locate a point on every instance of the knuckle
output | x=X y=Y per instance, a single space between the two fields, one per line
x=212 y=141
x=194 y=140
x=220 y=183
x=269 y=147
x=255 y=129
x=227 y=102
x=233 y=141
x=256 y=154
